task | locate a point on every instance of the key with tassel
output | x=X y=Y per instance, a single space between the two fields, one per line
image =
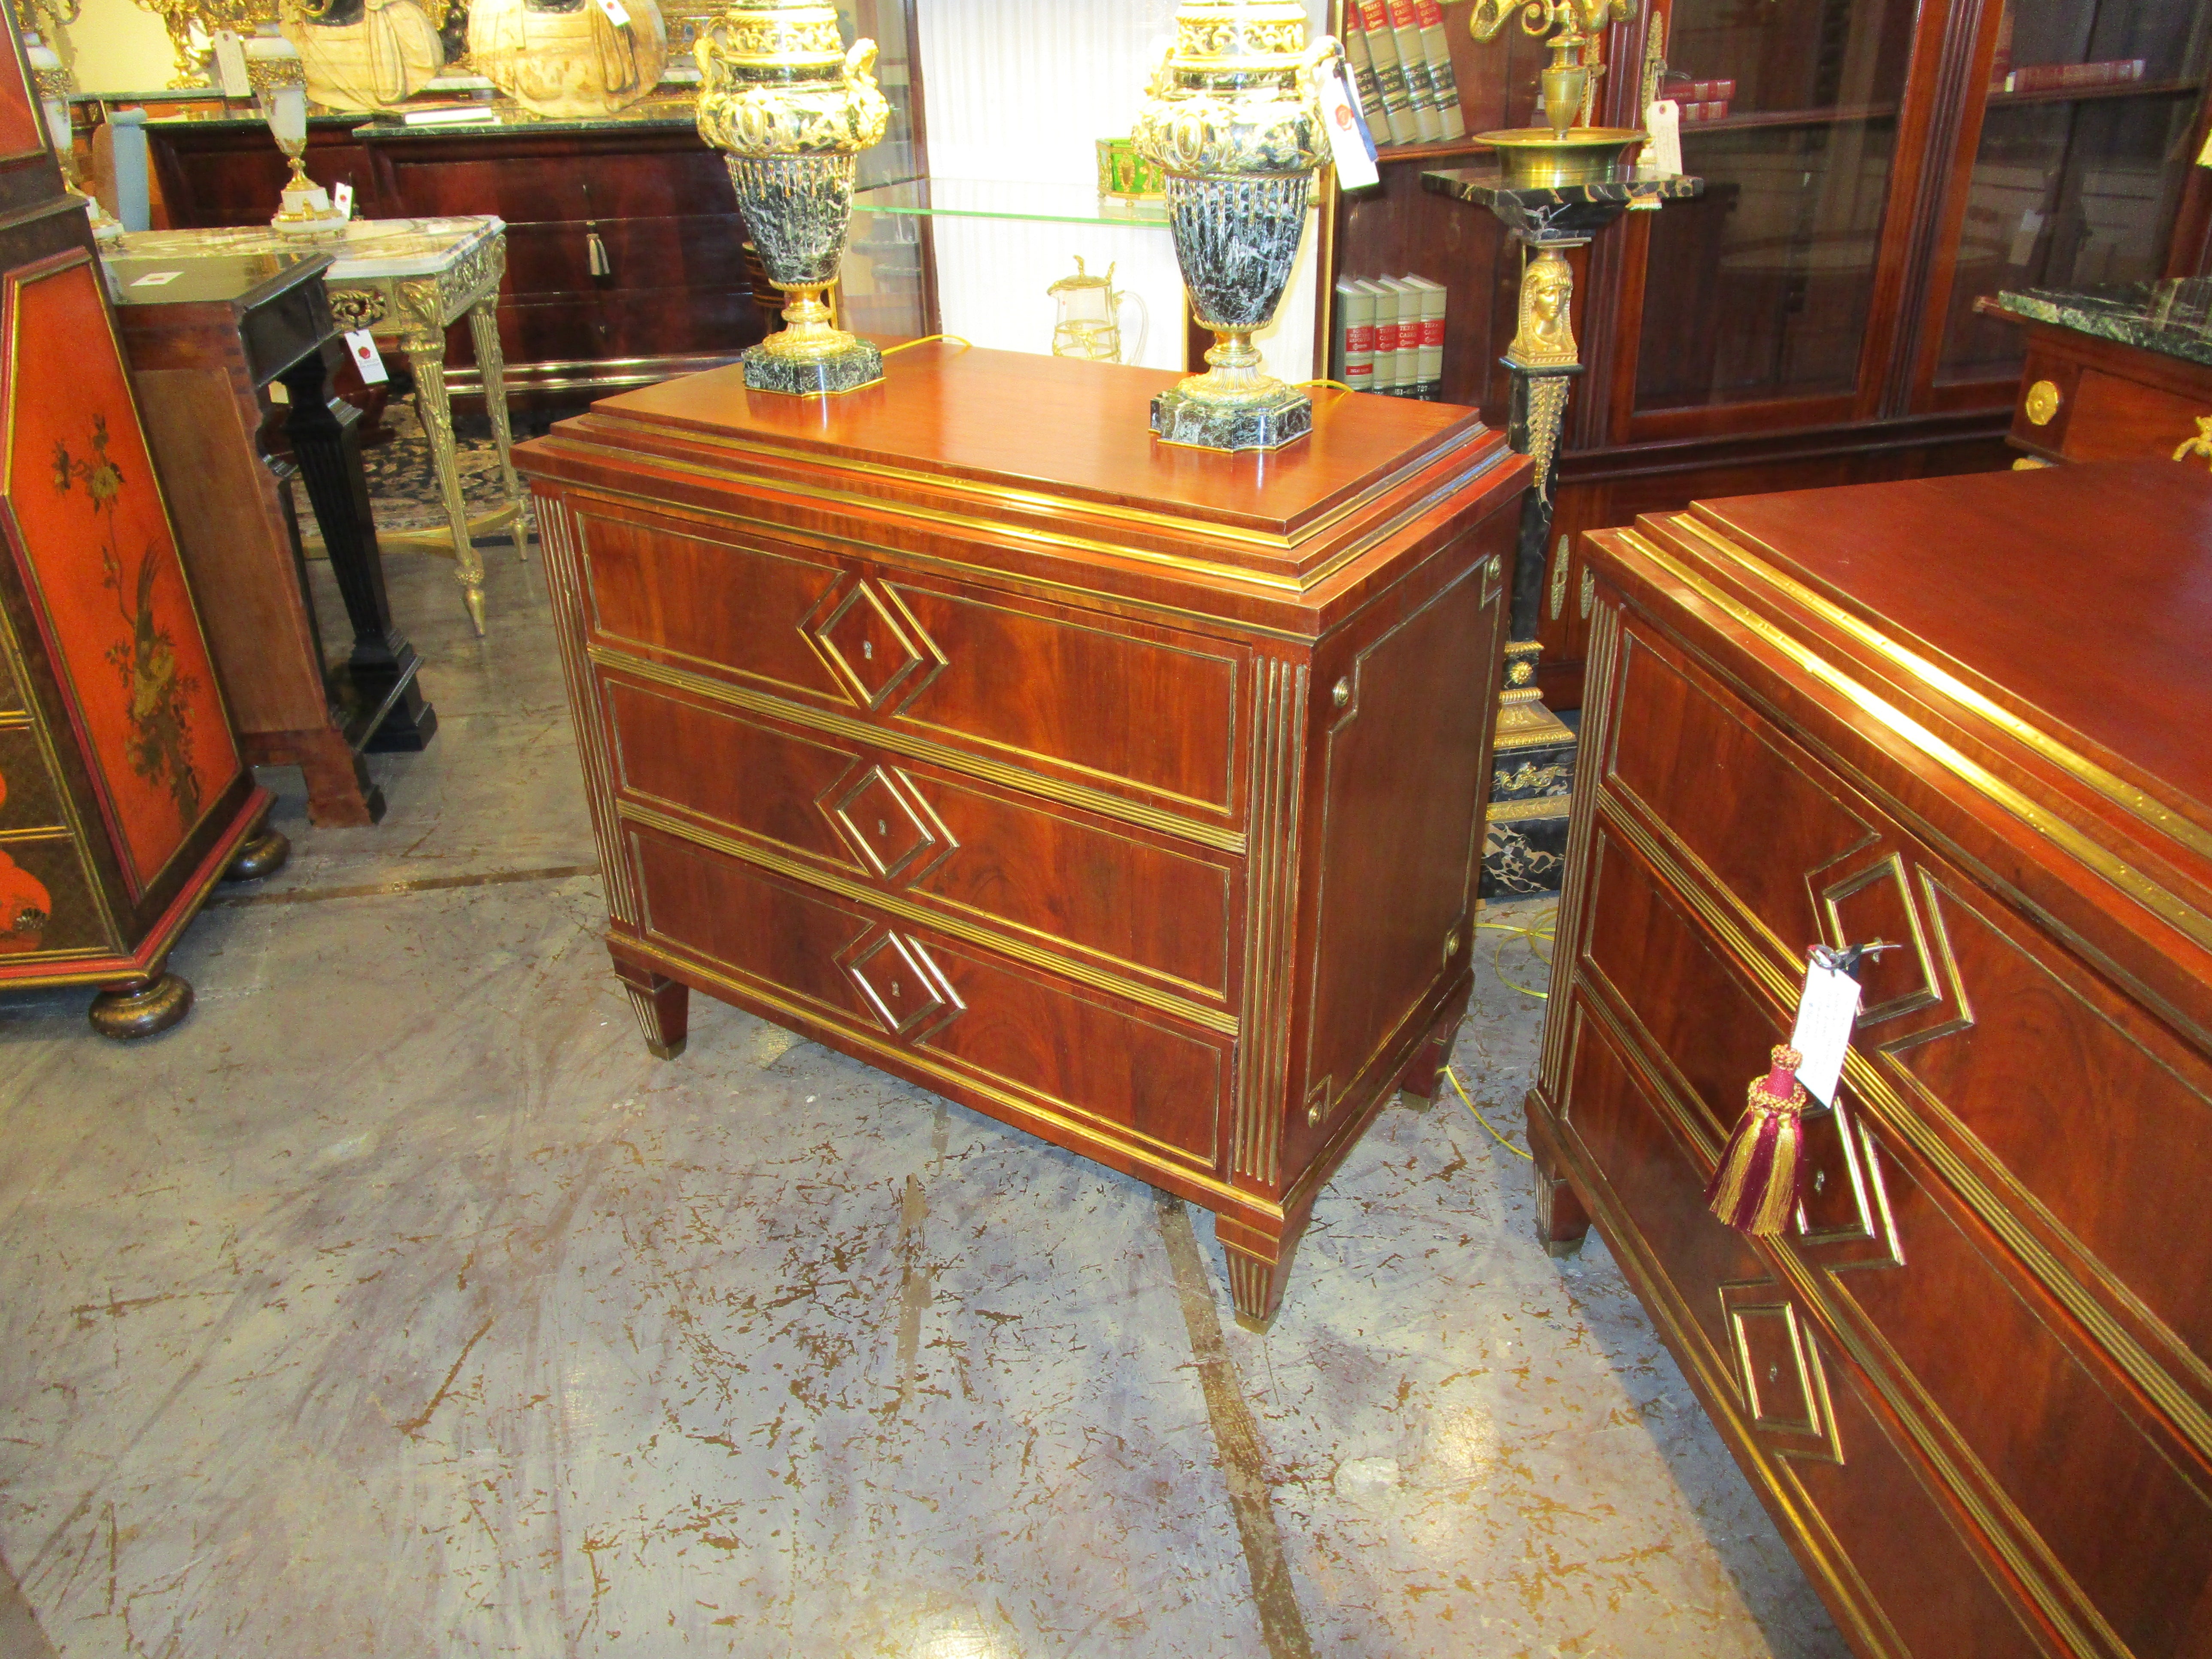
x=1754 y=1190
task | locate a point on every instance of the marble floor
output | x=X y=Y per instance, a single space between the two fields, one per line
x=399 y=1304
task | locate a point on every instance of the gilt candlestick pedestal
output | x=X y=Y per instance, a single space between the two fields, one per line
x=1533 y=790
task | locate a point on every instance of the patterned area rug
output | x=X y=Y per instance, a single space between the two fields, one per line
x=403 y=485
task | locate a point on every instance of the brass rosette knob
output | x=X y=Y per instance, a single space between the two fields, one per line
x=791 y=106
x=1233 y=118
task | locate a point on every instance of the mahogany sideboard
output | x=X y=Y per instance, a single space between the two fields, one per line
x=1130 y=794
x=625 y=251
x=1972 y=1379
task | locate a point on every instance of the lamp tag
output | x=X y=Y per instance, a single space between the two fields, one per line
x=617 y=14
x=230 y=64
x=1662 y=119
x=365 y=356
x=1349 y=141
x=342 y=200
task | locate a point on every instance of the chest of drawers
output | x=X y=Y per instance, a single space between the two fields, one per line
x=1967 y=715
x=1130 y=794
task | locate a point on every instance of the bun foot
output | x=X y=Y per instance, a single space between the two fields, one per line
x=140 y=1007
x=263 y=856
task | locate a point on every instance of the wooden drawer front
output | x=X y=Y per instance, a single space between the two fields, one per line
x=528 y=189
x=47 y=905
x=703 y=250
x=1104 y=704
x=2030 y=1424
x=2087 y=1124
x=950 y=1005
x=1797 y=1403
x=27 y=798
x=1114 y=896
x=2121 y=420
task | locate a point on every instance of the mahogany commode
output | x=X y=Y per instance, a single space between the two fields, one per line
x=1973 y=1381
x=1131 y=794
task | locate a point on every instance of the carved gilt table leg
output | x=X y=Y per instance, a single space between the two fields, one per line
x=426 y=356
x=491 y=363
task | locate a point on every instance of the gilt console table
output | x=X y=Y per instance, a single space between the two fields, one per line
x=1971 y=1378
x=406 y=280
x=1131 y=794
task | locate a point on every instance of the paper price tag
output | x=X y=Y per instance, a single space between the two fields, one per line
x=156 y=278
x=617 y=14
x=1826 y=1011
x=1349 y=141
x=1662 y=119
x=342 y=199
x=230 y=64
x=365 y=356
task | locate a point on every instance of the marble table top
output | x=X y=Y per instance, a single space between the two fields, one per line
x=1562 y=213
x=2172 y=317
x=368 y=249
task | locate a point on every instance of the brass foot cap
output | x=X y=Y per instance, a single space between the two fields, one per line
x=145 y=1008
x=1257 y=1327
x=264 y=855
x=1559 y=1248
x=667 y=1050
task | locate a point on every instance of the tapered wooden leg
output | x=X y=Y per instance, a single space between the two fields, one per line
x=1425 y=1073
x=663 y=1007
x=1259 y=1267
x=1561 y=1221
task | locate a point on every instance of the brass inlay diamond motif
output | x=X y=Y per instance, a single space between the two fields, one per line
x=872 y=645
x=1777 y=1370
x=884 y=819
x=901 y=984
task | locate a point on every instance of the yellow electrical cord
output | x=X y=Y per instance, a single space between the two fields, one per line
x=1338 y=385
x=1483 y=1121
x=1531 y=934
x=907 y=345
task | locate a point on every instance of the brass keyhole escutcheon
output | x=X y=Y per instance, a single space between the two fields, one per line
x=1341 y=694
x=2042 y=402
x=1451 y=947
x=895 y=990
x=1313 y=1115
x=882 y=828
x=867 y=650
x=1819 y=1179
x=1774 y=1373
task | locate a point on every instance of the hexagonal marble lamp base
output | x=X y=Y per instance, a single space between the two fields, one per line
x=859 y=365
x=1196 y=424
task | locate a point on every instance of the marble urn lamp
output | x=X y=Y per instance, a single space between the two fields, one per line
x=1233 y=118
x=278 y=76
x=791 y=108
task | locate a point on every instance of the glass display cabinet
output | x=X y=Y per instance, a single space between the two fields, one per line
x=1872 y=169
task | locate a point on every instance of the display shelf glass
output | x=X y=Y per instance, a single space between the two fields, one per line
x=1060 y=204
x=1791 y=117
x=2083 y=155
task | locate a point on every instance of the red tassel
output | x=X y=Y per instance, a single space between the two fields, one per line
x=1755 y=1189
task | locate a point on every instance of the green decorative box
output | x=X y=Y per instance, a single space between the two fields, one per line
x=1126 y=176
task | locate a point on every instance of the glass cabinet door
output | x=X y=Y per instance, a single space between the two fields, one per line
x=2083 y=153
x=1762 y=289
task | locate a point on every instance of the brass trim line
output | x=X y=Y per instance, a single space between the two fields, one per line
x=874 y=899
x=954 y=760
x=2136 y=802
x=2169 y=908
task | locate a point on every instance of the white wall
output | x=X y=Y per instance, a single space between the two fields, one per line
x=1019 y=90
x=118 y=47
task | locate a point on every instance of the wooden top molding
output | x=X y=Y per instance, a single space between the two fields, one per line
x=1965 y=625
x=1029 y=462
